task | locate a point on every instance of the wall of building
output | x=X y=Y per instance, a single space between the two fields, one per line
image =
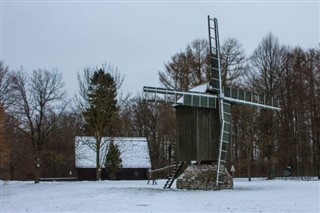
x=124 y=174
x=197 y=133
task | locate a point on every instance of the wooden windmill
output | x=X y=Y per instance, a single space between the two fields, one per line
x=204 y=114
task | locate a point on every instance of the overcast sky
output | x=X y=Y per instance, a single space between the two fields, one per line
x=139 y=36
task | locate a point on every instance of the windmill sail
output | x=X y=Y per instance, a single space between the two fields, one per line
x=238 y=96
x=176 y=97
x=215 y=81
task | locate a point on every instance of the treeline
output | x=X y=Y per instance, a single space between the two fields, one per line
x=39 y=123
x=264 y=143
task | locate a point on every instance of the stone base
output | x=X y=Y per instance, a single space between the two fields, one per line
x=203 y=177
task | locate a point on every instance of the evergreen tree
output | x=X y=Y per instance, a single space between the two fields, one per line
x=113 y=162
x=101 y=114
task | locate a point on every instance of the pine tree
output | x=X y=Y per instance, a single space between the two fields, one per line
x=113 y=162
x=102 y=113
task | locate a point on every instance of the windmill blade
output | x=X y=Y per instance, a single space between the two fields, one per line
x=224 y=140
x=214 y=43
x=190 y=98
x=239 y=96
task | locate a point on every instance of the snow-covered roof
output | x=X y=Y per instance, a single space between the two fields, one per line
x=200 y=88
x=134 y=152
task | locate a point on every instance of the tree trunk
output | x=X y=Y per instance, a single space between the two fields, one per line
x=272 y=167
x=250 y=158
x=98 y=173
x=249 y=170
x=98 y=169
x=37 y=168
x=98 y=146
x=12 y=172
x=318 y=161
x=36 y=175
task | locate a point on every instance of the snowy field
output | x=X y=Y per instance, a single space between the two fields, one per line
x=258 y=195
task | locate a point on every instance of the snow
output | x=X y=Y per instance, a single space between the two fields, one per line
x=259 y=195
x=134 y=152
x=202 y=88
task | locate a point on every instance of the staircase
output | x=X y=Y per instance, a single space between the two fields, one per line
x=173 y=175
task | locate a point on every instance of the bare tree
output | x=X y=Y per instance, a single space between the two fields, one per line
x=39 y=102
x=233 y=61
x=4 y=145
x=60 y=147
x=199 y=61
x=266 y=66
x=4 y=85
x=145 y=118
x=191 y=67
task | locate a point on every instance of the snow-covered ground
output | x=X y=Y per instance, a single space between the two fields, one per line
x=258 y=195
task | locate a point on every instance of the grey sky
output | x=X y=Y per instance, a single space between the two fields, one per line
x=139 y=37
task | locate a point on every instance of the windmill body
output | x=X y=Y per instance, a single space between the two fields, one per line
x=203 y=114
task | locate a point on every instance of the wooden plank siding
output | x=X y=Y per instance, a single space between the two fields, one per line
x=123 y=174
x=197 y=133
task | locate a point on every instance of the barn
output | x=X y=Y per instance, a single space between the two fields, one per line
x=134 y=154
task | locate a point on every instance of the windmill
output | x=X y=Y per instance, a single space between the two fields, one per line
x=204 y=114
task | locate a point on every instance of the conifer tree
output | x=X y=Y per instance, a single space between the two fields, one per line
x=101 y=114
x=113 y=162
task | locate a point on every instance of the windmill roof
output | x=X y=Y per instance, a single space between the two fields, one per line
x=134 y=151
x=200 y=88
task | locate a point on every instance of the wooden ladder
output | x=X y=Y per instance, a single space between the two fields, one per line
x=173 y=175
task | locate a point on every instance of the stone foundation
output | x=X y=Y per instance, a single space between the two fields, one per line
x=203 y=177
